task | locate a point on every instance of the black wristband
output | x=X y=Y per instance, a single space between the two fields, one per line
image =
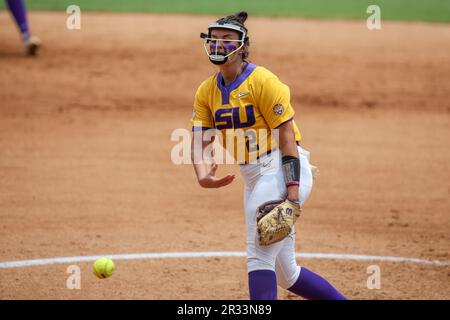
x=291 y=170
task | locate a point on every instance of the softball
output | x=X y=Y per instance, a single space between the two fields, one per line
x=104 y=268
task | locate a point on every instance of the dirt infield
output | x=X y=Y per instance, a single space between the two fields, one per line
x=85 y=155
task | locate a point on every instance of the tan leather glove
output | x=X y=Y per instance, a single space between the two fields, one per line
x=275 y=220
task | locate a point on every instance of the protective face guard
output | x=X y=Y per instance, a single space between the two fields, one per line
x=211 y=47
x=211 y=44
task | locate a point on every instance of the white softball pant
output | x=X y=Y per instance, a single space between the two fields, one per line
x=264 y=181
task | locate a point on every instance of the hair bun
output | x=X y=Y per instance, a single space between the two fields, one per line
x=241 y=16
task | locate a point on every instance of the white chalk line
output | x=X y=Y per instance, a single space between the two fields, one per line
x=213 y=254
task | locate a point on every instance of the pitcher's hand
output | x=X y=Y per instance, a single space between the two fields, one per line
x=211 y=181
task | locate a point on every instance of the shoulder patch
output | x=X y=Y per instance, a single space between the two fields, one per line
x=278 y=109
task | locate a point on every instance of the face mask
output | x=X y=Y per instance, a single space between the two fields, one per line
x=217 y=57
x=211 y=43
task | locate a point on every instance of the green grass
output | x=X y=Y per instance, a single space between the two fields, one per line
x=409 y=10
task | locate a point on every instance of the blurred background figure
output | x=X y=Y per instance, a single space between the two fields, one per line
x=18 y=10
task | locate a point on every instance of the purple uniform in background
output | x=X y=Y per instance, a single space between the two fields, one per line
x=18 y=10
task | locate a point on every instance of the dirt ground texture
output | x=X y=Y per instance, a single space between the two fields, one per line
x=85 y=148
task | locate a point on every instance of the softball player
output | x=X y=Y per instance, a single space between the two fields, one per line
x=249 y=98
x=18 y=10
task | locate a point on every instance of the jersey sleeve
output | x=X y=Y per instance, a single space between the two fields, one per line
x=201 y=114
x=275 y=102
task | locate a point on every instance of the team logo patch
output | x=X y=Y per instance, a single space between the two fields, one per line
x=278 y=109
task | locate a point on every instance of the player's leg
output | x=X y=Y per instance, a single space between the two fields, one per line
x=292 y=277
x=300 y=280
x=286 y=266
x=261 y=259
x=18 y=10
x=312 y=286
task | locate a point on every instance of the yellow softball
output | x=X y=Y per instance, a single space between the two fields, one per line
x=104 y=268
